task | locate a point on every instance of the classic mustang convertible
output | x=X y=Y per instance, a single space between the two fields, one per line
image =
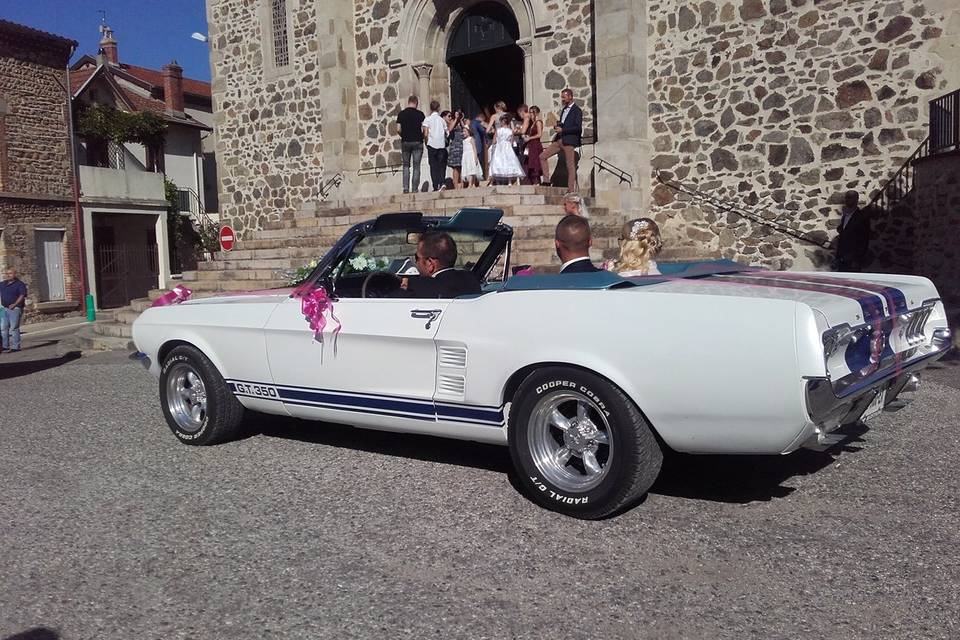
x=587 y=378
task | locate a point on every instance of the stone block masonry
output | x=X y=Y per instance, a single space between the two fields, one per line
x=782 y=106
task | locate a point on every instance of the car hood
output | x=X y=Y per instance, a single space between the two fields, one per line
x=243 y=297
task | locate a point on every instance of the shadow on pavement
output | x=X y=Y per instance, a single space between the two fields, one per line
x=741 y=479
x=37 y=633
x=733 y=479
x=17 y=368
x=427 y=448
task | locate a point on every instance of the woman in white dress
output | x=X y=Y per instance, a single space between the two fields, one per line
x=470 y=171
x=504 y=164
x=640 y=243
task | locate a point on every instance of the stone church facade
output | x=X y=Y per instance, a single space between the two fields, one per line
x=778 y=106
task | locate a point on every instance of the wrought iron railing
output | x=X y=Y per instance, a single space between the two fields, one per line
x=765 y=219
x=381 y=169
x=945 y=123
x=898 y=187
x=609 y=167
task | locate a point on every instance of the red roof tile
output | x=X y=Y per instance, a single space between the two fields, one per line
x=196 y=87
x=78 y=78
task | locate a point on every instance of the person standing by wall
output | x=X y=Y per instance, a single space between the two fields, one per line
x=435 y=133
x=411 y=142
x=13 y=295
x=853 y=241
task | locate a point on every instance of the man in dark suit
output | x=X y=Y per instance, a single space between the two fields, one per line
x=436 y=257
x=853 y=241
x=569 y=130
x=573 y=242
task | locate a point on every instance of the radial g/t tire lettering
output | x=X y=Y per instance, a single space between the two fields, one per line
x=199 y=407
x=579 y=445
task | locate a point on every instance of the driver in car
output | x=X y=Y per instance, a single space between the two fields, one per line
x=435 y=259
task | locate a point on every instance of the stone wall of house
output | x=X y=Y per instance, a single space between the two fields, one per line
x=19 y=220
x=563 y=58
x=33 y=107
x=936 y=207
x=268 y=120
x=780 y=106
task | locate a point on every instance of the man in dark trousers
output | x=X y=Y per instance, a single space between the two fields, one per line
x=573 y=243
x=567 y=136
x=411 y=143
x=435 y=134
x=853 y=241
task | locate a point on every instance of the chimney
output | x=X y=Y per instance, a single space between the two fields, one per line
x=173 y=86
x=108 y=46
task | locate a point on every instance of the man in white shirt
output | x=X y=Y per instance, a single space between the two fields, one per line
x=435 y=133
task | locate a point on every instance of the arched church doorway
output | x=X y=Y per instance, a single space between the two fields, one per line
x=486 y=65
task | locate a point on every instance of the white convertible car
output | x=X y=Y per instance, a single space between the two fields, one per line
x=587 y=378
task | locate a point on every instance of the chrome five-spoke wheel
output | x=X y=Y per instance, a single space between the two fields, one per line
x=570 y=441
x=186 y=397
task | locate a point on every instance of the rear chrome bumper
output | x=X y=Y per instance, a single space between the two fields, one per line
x=828 y=410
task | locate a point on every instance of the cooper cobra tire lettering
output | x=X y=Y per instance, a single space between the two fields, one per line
x=629 y=471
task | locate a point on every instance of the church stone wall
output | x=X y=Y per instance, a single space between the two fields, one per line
x=782 y=106
x=269 y=143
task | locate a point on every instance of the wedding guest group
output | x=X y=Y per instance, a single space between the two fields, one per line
x=493 y=146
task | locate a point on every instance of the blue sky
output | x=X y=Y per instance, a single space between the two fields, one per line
x=149 y=33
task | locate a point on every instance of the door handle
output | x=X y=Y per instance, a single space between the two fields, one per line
x=430 y=315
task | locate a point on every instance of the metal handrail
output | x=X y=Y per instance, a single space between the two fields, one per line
x=945 y=123
x=202 y=216
x=900 y=185
x=333 y=183
x=729 y=207
x=605 y=165
x=380 y=170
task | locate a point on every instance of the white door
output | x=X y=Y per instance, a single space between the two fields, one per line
x=380 y=370
x=50 y=250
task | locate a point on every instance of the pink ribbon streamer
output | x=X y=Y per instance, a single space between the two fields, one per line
x=315 y=305
x=175 y=296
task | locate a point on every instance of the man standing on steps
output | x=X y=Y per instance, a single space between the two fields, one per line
x=411 y=142
x=13 y=294
x=435 y=133
x=568 y=137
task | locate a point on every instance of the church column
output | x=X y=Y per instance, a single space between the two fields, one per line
x=620 y=36
x=423 y=71
x=527 y=47
x=337 y=63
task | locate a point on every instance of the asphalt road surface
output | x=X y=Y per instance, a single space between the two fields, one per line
x=112 y=529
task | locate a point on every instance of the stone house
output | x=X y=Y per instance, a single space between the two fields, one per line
x=38 y=235
x=771 y=106
x=122 y=191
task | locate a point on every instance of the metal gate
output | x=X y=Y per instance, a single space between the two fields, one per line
x=124 y=273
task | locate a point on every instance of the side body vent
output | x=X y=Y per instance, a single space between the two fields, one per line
x=453 y=357
x=449 y=385
x=451 y=371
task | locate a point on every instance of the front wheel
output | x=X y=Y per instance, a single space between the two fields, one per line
x=197 y=403
x=579 y=445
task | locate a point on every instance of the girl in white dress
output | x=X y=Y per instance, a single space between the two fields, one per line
x=504 y=163
x=640 y=243
x=470 y=171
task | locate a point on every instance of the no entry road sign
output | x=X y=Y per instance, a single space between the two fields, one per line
x=226 y=237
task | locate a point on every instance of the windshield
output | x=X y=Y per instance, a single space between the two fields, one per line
x=394 y=251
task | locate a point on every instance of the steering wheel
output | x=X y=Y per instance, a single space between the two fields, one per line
x=379 y=283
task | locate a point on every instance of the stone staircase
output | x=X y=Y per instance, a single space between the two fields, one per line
x=259 y=260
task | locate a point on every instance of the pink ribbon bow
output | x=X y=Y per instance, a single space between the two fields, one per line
x=175 y=296
x=315 y=305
